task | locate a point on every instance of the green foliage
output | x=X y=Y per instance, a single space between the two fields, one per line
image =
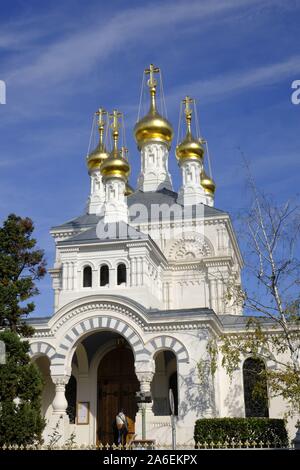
x=241 y=429
x=21 y=386
x=283 y=380
x=20 y=266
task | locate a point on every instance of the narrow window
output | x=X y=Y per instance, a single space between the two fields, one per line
x=255 y=388
x=121 y=274
x=87 y=276
x=104 y=275
x=71 y=393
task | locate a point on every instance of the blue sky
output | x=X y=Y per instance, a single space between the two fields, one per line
x=62 y=60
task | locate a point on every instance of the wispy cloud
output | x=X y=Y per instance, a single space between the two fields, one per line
x=77 y=53
x=219 y=87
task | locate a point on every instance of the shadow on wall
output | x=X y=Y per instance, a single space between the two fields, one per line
x=233 y=403
x=199 y=395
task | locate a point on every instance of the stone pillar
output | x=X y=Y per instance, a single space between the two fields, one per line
x=145 y=379
x=213 y=296
x=220 y=292
x=59 y=421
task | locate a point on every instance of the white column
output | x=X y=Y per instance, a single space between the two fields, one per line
x=59 y=421
x=213 y=297
x=191 y=191
x=145 y=378
x=220 y=295
x=60 y=403
x=115 y=207
x=96 y=199
x=154 y=167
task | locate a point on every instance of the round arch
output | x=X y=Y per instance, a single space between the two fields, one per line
x=168 y=343
x=90 y=325
x=41 y=348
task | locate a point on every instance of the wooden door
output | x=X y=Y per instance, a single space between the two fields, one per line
x=117 y=387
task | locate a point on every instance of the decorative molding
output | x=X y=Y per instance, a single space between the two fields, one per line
x=191 y=247
x=168 y=343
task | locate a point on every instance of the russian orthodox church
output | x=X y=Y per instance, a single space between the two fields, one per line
x=139 y=286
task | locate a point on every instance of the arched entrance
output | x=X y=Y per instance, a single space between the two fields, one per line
x=117 y=386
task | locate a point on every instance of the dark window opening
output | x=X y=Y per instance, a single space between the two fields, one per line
x=173 y=386
x=121 y=274
x=71 y=392
x=255 y=388
x=87 y=277
x=104 y=275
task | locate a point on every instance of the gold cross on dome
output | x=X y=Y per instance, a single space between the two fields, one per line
x=151 y=71
x=115 y=115
x=188 y=101
x=101 y=113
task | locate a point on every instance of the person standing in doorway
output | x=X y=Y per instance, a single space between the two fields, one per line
x=120 y=428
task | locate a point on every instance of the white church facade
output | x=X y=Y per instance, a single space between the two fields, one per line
x=139 y=289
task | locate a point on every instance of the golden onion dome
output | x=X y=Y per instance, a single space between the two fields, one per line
x=99 y=154
x=153 y=126
x=207 y=183
x=128 y=190
x=116 y=165
x=190 y=148
x=95 y=159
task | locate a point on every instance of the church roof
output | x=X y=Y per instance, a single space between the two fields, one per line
x=147 y=199
x=103 y=233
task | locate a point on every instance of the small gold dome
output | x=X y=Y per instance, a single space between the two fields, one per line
x=207 y=183
x=115 y=166
x=128 y=190
x=153 y=127
x=189 y=149
x=97 y=157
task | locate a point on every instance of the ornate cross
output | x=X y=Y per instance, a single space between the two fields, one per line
x=101 y=113
x=187 y=101
x=151 y=71
x=115 y=115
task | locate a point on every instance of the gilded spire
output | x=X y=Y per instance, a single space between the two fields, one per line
x=99 y=154
x=187 y=101
x=101 y=123
x=115 y=125
x=153 y=127
x=152 y=83
x=190 y=148
x=116 y=166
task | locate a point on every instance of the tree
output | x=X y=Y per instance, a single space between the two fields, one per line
x=20 y=394
x=271 y=301
x=20 y=266
x=21 y=383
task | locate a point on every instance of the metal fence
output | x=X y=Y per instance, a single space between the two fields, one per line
x=206 y=445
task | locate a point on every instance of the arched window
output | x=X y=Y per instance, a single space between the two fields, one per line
x=121 y=274
x=255 y=388
x=165 y=378
x=71 y=392
x=104 y=275
x=87 y=276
